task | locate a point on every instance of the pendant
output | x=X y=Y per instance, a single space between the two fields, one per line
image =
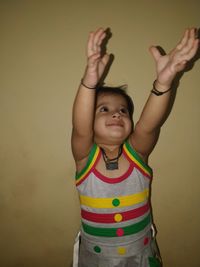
x=112 y=165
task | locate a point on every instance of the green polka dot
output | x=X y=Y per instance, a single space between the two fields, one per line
x=97 y=249
x=116 y=202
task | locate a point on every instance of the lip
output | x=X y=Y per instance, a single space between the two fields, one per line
x=116 y=124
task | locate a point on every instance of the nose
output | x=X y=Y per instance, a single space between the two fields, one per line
x=116 y=115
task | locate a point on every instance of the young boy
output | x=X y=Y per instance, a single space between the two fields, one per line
x=111 y=156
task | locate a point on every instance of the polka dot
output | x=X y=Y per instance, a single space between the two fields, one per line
x=121 y=251
x=118 y=217
x=120 y=232
x=146 y=241
x=116 y=202
x=97 y=249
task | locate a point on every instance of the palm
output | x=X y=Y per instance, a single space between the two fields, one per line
x=97 y=66
x=169 y=65
x=96 y=63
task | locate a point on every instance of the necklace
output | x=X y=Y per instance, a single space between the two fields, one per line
x=111 y=164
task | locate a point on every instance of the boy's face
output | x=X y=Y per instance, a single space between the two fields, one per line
x=112 y=123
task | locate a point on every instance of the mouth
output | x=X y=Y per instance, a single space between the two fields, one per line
x=115 y=124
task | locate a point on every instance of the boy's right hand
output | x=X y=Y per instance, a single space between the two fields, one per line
x=96 y=62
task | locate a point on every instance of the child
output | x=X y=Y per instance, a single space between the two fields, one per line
x=111 y=156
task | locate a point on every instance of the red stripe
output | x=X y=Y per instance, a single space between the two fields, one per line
x=110 y=217
x=116 y=179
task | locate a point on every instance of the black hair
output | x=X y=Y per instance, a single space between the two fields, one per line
x=118 y=90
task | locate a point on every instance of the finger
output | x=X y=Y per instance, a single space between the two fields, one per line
x=90 y=44
x=98 y=37
x=191 y=47
x=94 y=41
x=105 y=59
x=182 y=60
x=183 y=40
x=155 y=53
x=101 y=37
x=188 y=42
x=191 y=53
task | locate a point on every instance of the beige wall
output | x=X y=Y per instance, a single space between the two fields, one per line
x=41 y=63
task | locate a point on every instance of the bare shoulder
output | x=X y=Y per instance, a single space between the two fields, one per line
x=81 y=162
x=133 y=143
x=144 y=142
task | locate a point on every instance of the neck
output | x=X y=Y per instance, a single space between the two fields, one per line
x=110 y=149
x=112 y=162
x=109 y=145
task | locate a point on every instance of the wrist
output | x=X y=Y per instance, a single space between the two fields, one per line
x=87 y=85
x=90 y=79
x=160 y=89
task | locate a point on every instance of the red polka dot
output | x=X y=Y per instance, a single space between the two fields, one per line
x=120 y=232
x=146 y=241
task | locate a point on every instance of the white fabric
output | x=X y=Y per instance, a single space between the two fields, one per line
x=76 y=250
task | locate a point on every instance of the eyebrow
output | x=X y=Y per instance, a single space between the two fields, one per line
x=107 y=103
x=102 y=104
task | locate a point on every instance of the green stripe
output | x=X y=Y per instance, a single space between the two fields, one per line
x=137 y=157
x=111 y=232
x=90 y=158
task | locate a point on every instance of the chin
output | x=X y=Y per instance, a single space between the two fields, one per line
x=117 y=139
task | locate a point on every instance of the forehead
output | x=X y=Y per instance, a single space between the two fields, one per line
x=112 y=99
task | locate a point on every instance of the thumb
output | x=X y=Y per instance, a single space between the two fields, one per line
x=105 y=59
x=155 y=52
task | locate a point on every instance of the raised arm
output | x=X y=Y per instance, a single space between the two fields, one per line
x=155 y=110
x=84 y=104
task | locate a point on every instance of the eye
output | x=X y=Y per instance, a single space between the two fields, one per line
x=124 y=111
x=103 y=109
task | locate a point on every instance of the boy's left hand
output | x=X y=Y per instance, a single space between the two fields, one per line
x=167 y=66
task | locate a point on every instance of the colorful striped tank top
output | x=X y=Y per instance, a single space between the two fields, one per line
x=115 y=212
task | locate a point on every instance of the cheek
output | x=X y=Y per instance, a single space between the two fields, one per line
x=95 y=125
x=129 y=126
x=98 y=122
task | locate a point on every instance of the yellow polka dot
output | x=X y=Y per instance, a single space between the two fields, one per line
x=118 y=217
x=121 y=251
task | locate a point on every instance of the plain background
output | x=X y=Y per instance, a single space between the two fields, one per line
x=42 y=59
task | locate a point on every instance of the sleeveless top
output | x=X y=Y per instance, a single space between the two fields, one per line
x=115 y=212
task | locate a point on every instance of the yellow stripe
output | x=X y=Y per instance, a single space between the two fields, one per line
x=107 y=202
x=89 y=166
x=136 y=161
